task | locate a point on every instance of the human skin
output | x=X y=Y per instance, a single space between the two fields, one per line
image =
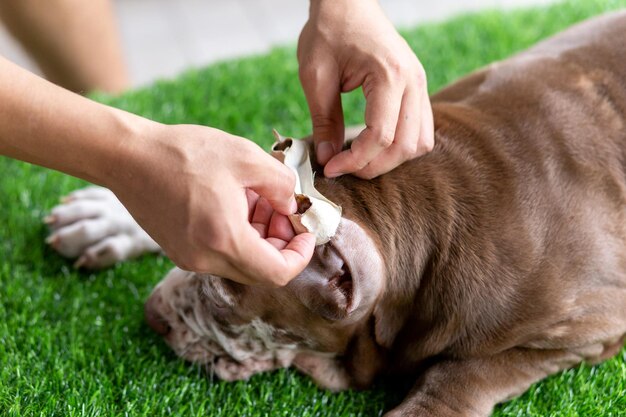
x=348 y=44
x=74 y=42
x=213 y=201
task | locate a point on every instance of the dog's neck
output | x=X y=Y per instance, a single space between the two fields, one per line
x=418 y=215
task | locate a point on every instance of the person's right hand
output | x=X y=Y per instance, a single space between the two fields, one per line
x=215 y=203
x=193 y=189
x=346 y=44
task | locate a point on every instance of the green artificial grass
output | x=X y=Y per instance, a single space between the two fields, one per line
x=75 y=343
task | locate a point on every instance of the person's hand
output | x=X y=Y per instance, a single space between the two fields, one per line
x=346 y=44
x=215 y=202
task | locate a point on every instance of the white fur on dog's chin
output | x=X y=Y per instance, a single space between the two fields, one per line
x=201 y=339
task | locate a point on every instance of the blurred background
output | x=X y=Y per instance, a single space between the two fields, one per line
x=161 y=38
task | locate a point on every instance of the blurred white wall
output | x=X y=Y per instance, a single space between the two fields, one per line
x=163 y=37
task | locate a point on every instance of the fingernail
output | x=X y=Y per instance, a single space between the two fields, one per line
x=293 y=205
x=49 y=219
x=325 y=151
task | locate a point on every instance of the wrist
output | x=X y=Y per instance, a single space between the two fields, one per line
x=124 y=151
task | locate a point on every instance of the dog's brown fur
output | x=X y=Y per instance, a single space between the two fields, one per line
x=504 y=249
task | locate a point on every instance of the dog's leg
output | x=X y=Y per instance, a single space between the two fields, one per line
x=356 y=369
x=472 y=387
x=327 y=372
x=93 y=226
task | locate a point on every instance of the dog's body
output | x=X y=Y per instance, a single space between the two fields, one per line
x=505 y=248
x=495 y=260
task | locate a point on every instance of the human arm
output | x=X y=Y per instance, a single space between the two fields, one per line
x=193 y=189
x=347 y=44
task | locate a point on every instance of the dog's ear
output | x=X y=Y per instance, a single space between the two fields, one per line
x=326 y=286
x=344 y=277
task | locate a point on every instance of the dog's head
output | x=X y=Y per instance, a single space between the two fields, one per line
x=240 y=330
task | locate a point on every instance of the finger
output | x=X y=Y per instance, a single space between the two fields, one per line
x=260 y=261
x=277 y=243
x=280 y=228
x=262 y=216
x=407 y=137
x=383 y=105
x=297 y=255
x=252 y=198
x=271 y=180
x=257 y=261
x=322 y=88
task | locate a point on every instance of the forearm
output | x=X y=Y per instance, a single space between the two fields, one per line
x=46 y=125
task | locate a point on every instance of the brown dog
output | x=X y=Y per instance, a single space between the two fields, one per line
x=488 y=264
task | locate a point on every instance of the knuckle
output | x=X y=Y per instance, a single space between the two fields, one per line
x=407 y=146
x=309 y=73
x=423 y=147
x=420 y=78
x=395 y=67
x=323 y=122
x=385 y=138
x=360 y=164
x=428 y=147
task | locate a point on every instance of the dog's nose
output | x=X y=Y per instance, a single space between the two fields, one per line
x=155 y=319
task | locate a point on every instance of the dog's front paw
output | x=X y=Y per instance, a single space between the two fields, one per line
x=327 y=372
x=229 y=370
x=92 y=225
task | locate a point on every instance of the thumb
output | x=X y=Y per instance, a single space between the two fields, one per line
x=274 y=181
x=322 y=88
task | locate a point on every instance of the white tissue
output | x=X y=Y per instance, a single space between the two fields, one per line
x=323 y=216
